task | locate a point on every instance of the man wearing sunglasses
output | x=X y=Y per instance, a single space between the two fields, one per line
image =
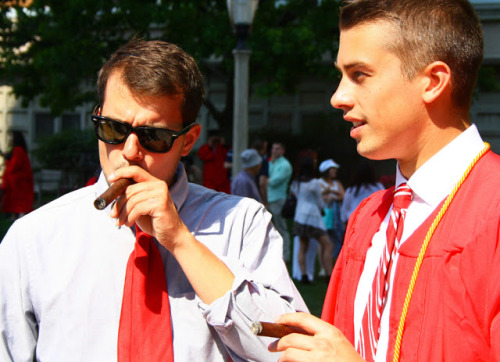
x=79 y=283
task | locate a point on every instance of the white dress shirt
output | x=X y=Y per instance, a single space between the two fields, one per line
x=62 y=272
x=430 y=185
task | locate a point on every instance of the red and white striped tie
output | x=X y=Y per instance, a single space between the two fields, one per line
x=370 y=325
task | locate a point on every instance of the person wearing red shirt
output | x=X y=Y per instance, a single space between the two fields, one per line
x=17 y=179
x=408 y=72
x=214 y=154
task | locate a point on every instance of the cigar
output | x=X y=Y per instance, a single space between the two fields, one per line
x=113 y=191
x=276 y=330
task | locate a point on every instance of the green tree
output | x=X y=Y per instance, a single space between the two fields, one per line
x=54 y=48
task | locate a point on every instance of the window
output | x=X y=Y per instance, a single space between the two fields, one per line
x=70 y=121
x=281 y=121
x=44 y=126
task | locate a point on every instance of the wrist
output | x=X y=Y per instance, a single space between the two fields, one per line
x=182 y=243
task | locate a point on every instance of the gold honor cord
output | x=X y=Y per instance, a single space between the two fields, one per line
x=402 y=320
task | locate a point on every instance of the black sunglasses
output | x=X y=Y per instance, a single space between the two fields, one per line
x=111 y=131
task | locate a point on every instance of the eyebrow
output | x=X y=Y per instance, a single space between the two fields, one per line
x=352 y=65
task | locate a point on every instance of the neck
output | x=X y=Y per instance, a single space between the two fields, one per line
x=430 y=143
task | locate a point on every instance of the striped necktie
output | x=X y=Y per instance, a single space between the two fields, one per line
x=370 y=325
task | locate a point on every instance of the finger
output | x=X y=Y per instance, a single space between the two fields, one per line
x=144 y=190
x=130 y=211
x=306 y=321
x=123 y=204
x=296 y=355
x=297 y=341
x=121 y=210
x=273 y=346
x=150 y=201
x=139 y=201
x=122 y=200
x=134 y=172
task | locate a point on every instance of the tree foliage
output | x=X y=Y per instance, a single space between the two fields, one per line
x=54 y=48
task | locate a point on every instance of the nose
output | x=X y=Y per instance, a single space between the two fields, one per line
x=342 y=98
x=132 y=149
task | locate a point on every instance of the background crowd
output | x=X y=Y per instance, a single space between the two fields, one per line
x=313 y=233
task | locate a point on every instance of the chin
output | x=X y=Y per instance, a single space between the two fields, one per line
x=371 y=153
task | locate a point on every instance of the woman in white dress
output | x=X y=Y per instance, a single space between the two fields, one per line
x=308 y=222
x=332 y=192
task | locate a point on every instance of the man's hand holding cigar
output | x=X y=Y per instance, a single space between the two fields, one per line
x=148 y=204
x=323 y=342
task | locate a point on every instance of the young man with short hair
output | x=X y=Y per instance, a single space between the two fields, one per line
x=418 y=276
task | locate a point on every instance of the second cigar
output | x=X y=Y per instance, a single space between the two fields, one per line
x=116 y=189
x=276 y=330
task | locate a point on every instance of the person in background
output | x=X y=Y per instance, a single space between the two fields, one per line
x=170 y=270
x=308 y=223
x=364 y=184
x=18 y=192
x=280 y=173
x=332 y=192
x=214 y=157
x=418 y=275
x=244 y=182
x=262 y=178
x=194 y=173
x=93 y=179
x=228 y=163
x=313 y=248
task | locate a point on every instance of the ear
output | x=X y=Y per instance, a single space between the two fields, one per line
x=437 y=76
x=190 y=139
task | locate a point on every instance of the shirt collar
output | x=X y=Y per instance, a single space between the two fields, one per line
x=180 y=188
x=276 y=160
x=437 y=177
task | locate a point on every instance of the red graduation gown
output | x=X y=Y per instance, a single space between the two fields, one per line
x=17 y=183
x=214 y=173
x=454 y=314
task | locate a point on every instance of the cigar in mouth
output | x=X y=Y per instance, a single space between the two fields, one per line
x=276 y=330
x=116 y=189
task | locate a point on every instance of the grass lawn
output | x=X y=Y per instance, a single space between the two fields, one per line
x=314 y=295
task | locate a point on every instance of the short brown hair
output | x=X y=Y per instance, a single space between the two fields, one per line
x=427 y=31
x=156 y=68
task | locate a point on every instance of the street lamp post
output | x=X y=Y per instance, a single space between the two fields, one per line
x=241 y=14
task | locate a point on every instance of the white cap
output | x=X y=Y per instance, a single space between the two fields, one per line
x=250 y=158
x=327 y=164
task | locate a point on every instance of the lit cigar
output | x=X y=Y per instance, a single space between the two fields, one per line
x=276 y=330
x=115 y=190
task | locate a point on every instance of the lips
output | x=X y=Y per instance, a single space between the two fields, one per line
x=357 y=124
